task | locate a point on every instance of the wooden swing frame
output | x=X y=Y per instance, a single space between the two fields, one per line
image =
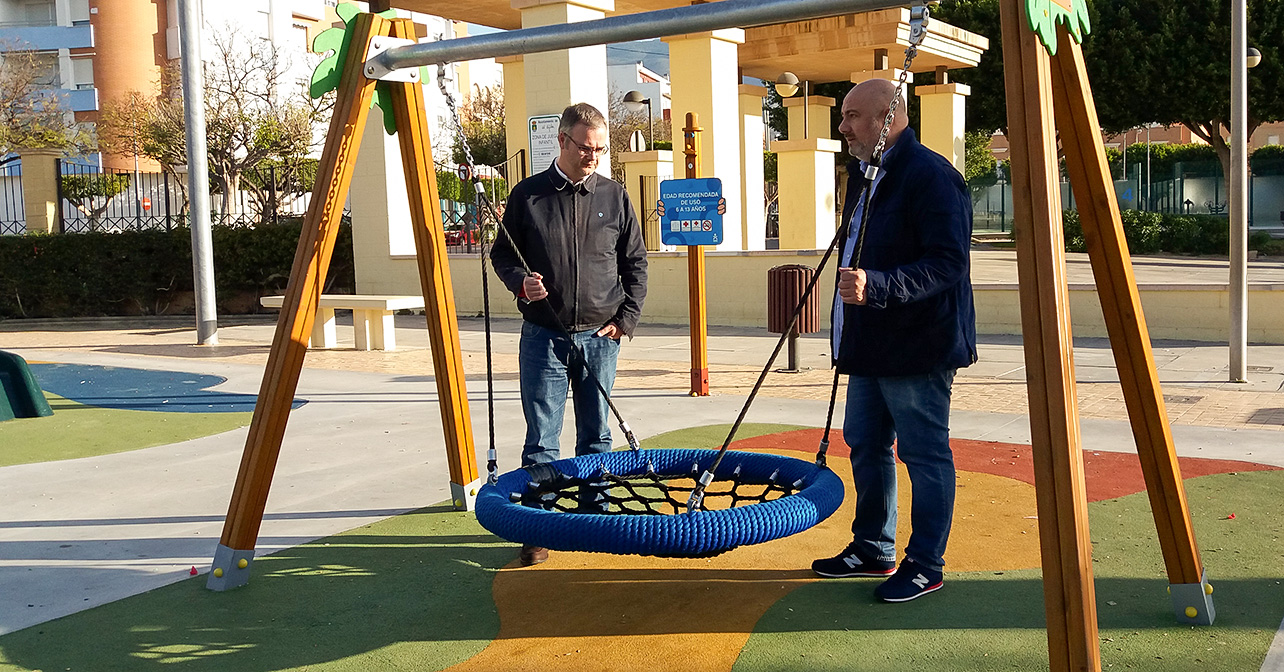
x=1046 y=95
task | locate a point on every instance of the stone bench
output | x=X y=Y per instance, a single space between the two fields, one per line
x=371 y=318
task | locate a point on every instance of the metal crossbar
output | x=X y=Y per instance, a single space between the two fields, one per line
x=624 y=28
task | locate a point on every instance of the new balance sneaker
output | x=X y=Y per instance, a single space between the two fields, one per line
x=911 y=580
x=852 y=562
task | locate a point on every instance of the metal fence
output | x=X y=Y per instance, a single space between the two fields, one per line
x=94 y=199
x=13 y=218
x=1190 y=189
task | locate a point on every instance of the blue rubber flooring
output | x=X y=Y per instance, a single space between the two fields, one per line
x=142 y=389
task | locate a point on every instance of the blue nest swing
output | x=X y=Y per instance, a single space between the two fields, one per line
x=627 y=503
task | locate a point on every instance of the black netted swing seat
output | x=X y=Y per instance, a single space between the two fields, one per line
x=634 y=502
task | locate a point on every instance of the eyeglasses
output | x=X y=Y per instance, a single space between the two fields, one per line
x=586 y=150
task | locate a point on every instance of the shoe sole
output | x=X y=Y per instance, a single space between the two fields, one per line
x=929 y=589
x=857 y=575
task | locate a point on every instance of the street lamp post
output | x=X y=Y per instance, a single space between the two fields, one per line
x=787 y=85
x=634 y=102
x=1238 y=196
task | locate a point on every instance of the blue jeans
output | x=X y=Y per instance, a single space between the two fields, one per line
x=546 y=367
x=913 y=411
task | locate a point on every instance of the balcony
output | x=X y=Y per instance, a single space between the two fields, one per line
x=45 y=38
x=79 y=100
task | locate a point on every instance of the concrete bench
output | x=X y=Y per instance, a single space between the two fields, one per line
x=371 y=318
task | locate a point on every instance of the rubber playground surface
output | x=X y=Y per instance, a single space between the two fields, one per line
x=432 y=590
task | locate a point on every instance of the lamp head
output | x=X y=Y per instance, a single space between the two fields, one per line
x=787 y=84
x=1253 y=58
x=634 y=101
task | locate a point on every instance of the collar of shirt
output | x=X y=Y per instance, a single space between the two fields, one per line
x=586 y=183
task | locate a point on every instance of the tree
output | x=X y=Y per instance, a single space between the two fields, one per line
x=254 y=116
x=482 y=116
x=91 y=193
x=32 y=115
x=1165 y=63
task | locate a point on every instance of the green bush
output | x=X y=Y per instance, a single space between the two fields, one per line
x=1268 y=160
x=150 y=272
x=1153 y=232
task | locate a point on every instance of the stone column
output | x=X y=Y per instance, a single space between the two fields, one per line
x=805 y=168
x=942 y=114
x=753 y=228
x=705 y=78
x=556 y=79
x=649 y=167
x=808 y=116
x=40 y=189
x=516 y=135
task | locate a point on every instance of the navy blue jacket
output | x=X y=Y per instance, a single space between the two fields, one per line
x=919 y=316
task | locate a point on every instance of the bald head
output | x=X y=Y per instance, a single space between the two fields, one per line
x=864 y=110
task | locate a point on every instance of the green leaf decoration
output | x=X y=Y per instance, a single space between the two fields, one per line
x=1044 y=15
x=335 y=42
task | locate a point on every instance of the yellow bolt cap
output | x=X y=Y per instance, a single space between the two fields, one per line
x=218 y=572
x=1208 y=589
x=242 y=563
x=1191 y=612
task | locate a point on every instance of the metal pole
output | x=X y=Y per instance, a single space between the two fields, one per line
x=1238 y=195
x=189 y=12
x=623 y=28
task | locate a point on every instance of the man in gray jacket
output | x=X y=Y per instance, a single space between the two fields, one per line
x=581 y=240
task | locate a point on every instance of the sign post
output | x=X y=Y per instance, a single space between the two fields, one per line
x=695 y=270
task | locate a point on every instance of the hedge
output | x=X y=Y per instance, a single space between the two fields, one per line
x=1151 y=232
x=150 y=272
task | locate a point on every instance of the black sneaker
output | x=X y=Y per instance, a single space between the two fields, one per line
x=911 y=580
x=852 y=563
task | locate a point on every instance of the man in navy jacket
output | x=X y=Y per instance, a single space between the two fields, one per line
x=903 y=324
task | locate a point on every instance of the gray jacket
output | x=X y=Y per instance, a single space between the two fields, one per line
x=586 y=243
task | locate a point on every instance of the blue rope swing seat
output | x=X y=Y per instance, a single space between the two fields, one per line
x=623 y=502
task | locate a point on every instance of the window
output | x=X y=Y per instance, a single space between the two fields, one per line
x=82 y=70
x=1273 y=140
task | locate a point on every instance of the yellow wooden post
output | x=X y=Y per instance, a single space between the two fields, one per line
x=434 y=277
x=1066 y=550
x=695 y=273
x=235 y=552
x=1126 y=324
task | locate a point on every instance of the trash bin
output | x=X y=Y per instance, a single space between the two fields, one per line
x=785 y=288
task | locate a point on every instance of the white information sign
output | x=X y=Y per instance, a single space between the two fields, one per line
x=543 y=141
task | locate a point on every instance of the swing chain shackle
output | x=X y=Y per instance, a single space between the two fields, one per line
x=919 y=18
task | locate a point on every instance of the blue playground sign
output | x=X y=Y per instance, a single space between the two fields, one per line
x=691 y=211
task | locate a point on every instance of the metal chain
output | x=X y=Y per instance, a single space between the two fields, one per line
x=918 y=30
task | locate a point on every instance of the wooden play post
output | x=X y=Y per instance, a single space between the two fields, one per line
x=1045 y=95
x=434 y=278
x=1061 y=500
x=695 y=273
x=235 y=553
x=1094 y=193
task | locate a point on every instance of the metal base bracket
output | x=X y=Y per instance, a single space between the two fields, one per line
x=231 y=568
x=1193 y=602
x=464 y=497
x=375 y=69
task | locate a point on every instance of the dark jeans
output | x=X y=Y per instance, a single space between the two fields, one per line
x=913 y=411
x=547 y=366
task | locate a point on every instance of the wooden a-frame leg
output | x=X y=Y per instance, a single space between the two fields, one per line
x=235 y=553
x=434 y=276
x=1126 y=324
x=1066 y=550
